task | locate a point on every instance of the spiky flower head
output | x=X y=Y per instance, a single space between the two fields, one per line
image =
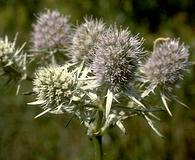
x=10 y=55
x=84 y=38
x=116 y=56
x=167 y=63
x=52 y=85
x=7 y=50
x=51 y=30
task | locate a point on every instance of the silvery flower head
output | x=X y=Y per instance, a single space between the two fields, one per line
x=116 y=56
x=10 y=55
x=167 y=63
x=6 y=51
x=51 y=30
x=52 y=85
x=84 y=38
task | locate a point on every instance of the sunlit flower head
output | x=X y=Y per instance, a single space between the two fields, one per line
x=52 y=85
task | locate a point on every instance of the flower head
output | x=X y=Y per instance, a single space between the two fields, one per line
x=7 y=50
x=10 y=55
x=167 y=63
x=51 y=30
x=84 y=38
x=52 y=85
x=116 y=56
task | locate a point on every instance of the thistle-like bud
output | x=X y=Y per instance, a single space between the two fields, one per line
x=52 y=85
x=116 y=56
x=167 y=63
x=51 y=30
x=84 y=38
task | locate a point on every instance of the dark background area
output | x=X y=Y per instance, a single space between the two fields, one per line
x=46 y=138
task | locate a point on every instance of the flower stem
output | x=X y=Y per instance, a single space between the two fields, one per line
x=97 y=142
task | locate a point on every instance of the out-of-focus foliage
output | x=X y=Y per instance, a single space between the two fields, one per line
x=22 y=137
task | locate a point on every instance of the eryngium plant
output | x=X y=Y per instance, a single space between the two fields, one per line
x=100 y=81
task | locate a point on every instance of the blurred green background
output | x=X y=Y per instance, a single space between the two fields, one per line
x=47 y=138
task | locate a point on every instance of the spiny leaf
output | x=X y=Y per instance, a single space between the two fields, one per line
x=39 y=102
x=121 y=126
x=42 y=113
x=152 y=126
x=108 y=102
x=178 y=101
x=148 y=90
x=163 y=97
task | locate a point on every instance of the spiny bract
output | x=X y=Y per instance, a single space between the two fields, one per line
x=51 y=30
x=84 y=38
x=116 y=56
x=167 y=63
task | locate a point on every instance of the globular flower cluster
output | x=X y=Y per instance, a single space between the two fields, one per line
x=167 y=63
x=116 y=56
x=84 y=38
x=7 y=50
x=52 y=85
x=51 y=30
x=11 y=56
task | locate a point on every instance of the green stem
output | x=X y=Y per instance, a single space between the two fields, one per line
x=97 y=142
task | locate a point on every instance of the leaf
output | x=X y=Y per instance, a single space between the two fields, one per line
x=148 y=90
x=108 y=102
x=42 y=113
x=80 y=69
x=178 y=101
x=134 y=96
x=39 y=102
x=90 y=86
x=163 y=97
x=152 y=126
x=121 y=126
x=137 y=101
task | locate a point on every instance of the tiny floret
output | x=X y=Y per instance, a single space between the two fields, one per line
x=116 y=56
x=84 y=38
x=51 y=30
x=167 y=63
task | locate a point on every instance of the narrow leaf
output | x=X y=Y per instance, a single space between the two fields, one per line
x=178 y=101
x=108 y=102
x=137 y=101
x=148 y=91
x=121 y=126
x=165 y=103
x=42 y=113
x=39 y=102
x=152 y=126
